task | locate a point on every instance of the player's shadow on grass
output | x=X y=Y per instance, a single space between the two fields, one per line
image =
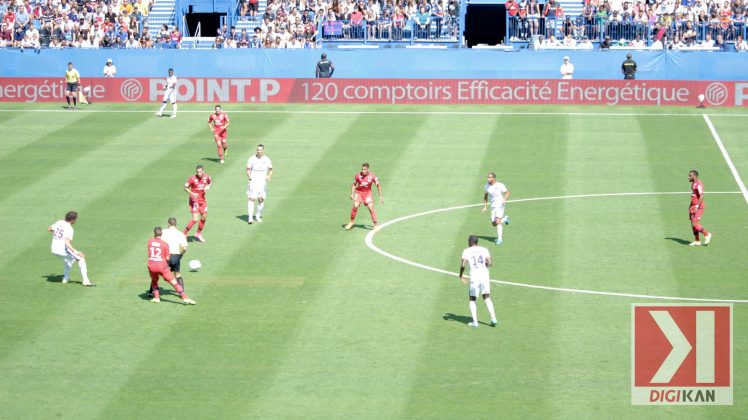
x=243 y=217
x=365 y=227
x=214 y=160
x=55 y=278
x=679 y=240
x=458 y=318
x=487 y=238
x=162 y=293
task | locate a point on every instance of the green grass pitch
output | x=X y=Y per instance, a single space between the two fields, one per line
x=298 y=318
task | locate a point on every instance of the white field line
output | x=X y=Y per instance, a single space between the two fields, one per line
x=370 y=236
x=725 y=155
x=353 y=112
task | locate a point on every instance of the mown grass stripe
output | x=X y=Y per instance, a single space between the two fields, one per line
x=284 y=388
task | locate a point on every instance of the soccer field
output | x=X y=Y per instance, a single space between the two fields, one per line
x=298 y=318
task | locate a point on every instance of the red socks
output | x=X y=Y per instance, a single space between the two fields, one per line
x=353 y=213
x=189 y=226
x=373 y=215
x=200 y=226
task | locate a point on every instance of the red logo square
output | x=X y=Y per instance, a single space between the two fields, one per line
x=681 y=354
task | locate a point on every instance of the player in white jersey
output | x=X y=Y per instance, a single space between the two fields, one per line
x=62 y=247
x=479 y=259
x=170 y=94
x=259 y=173
x=498 y=195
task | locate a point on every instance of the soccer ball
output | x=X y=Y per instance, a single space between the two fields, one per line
x=194 y=265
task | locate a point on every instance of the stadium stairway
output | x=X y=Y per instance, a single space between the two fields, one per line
x=572 y=8
x=197 y=43
x=250 y=25
x=162 y=12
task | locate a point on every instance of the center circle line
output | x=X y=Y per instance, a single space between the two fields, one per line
x=369 y=240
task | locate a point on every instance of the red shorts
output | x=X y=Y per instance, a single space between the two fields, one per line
x=220 y=136
x=198 y=207
x=363 y=198
x=162 y=270
x=695 y=216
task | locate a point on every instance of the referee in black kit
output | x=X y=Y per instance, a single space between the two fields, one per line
x=325 y=69
x=628 y=68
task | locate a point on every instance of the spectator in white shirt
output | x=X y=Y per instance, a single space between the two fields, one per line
x=708 y=42
x=567 y=69
x=110 y=70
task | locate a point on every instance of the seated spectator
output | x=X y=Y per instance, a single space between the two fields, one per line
x=551 y=42
x=570 y=42
x=175 y=38
x=708 y=42
x=638 y=42
x=586 y=44
x=56 y=44
x=740 y=44
x=132 y=43
x=18 y=36
x=720 y=43
x=86 y=42
x=689 y=34
x=658 y=44
x=218 y=43
x=677 y=43
x=606 y=44
x=244 y=39
x=6 y=35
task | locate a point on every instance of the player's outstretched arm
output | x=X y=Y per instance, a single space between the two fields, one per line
x=353 y=191
x=379 y=188
x=462 y=270
x=485 y=202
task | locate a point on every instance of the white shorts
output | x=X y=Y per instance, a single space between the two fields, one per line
x=255 y=191
x=68 y=258
x=497 y=212
x=170 y=95
x=479 y=287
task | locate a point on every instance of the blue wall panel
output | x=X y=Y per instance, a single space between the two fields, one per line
x=381 y=63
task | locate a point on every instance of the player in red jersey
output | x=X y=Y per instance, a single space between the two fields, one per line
x=158 y=254
x=196 y=186
x=361 y=193
x=696 y=209
x=219 y=122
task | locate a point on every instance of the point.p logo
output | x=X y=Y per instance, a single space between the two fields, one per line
x=681 y=354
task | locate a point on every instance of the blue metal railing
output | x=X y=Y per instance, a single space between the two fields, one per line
x=521 y=30
x=436 y=30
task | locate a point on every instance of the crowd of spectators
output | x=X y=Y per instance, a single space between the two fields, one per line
x=667 y=24
x=296 y=24
x=81 y=24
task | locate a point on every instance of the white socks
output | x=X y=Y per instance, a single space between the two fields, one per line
x=260 y=207
x=474 y=311
x=250 y=209
x=163 y=106
x=84 y=271
x=174 y=106
x=489 y=305
x=500 y=231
